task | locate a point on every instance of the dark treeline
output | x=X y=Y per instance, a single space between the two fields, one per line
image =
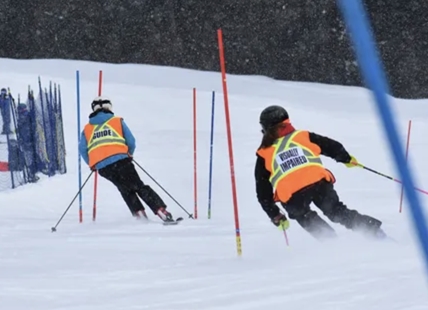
x=300 y=40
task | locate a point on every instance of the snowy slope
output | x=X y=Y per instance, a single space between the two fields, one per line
x=119 y=263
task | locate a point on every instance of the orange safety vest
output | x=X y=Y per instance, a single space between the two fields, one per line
x=293 y=162
x=105 y=140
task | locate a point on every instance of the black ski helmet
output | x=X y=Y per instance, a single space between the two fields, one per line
x=272 y=116
x=101 y=102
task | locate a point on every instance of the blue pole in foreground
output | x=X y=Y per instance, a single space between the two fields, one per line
x=371 y=68
x=78 y=141
x=211 y=156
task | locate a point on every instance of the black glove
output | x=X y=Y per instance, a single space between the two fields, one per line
x=343 y=157
x=280 y=219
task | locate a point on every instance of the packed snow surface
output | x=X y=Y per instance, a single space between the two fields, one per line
x=120 y=263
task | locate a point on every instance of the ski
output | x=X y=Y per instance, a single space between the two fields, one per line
x=388 y=238
x=381 y=236
x=175 y=222
x=169 y=223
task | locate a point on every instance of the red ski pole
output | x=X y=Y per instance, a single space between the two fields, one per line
x=407 y=154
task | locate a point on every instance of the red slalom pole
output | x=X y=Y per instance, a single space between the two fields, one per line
x=407 y=154
x=94 y=208
x=195 y=166
x=100 y=82
x=229 y=140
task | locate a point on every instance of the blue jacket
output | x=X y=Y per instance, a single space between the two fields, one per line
x=100 y=118
x=5 y=107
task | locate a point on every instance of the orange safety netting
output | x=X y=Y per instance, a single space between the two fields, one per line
x=4 y=166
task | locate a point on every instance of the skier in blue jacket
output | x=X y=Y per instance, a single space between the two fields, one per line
x=5 y=109
x=117 y=166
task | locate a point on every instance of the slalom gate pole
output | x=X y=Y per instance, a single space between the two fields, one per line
x=229 y=140
x=79 y=161
x=358 y=26
x=166 y=192
x=210 y=175
x=53 y=229
x=94 y=206
x=407 y=155
x=390 y=178
x=195 y=166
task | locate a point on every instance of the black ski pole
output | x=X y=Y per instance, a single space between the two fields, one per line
x=139 y=166
x=71 y=203
x=389 y=177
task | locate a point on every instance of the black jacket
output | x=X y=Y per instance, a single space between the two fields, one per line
x=264 y=189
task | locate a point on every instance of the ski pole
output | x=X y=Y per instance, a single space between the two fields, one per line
x=285 y=236
x=282 y=227
x=166 y=192
x=390 y=178
x=71 y=203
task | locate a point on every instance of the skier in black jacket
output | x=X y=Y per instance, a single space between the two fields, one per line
x=303 y=179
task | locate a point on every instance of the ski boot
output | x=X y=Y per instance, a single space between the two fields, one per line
x=316 y=226
x=164 y=215
x=141 y=214
x=370 y=227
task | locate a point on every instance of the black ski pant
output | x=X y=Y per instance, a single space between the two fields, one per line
x=323 y=195
x=124 y=176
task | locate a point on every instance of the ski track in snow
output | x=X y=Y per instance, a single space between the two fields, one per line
x=119 y=263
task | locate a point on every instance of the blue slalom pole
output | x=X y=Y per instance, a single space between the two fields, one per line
x=371 y=68
x=78 y=141
x=211 y=156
